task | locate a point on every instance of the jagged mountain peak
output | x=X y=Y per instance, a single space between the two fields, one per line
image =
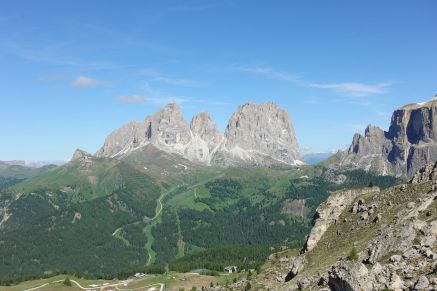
x=409 y=144
x=256 y=135
x=80 y=154
x=262 y=128
x=171 y=110
x=202 y=124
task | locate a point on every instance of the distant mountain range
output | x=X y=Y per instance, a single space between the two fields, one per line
x=31 y=164
x=315 y=158
x=256 y=135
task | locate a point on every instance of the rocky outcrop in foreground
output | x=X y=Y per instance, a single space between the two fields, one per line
x=256 y=135
x=329 y=211
x=364 y=239
x=408 y=145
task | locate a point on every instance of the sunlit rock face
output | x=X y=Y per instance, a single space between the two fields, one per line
x=256 y=135
x=408 y=145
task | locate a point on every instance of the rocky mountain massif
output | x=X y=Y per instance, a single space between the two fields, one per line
x=256 y=135
x=408 y=145
x=364 y=239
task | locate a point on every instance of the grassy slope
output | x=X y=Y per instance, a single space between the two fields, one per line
x=22 y=172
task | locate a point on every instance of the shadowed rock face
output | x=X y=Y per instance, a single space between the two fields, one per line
x=256 y=135
x=409 y=144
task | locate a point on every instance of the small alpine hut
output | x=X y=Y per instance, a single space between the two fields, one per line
x=230 y=269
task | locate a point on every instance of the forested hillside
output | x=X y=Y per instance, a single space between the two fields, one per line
x=63 y=221
x=248 y=208
x=101 y=217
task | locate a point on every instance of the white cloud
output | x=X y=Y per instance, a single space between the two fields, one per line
x=271 y=73
x=156 y=100
x=85 y=82
x=352 y=89
x=152 y=96
x=161 y=98
x=130 y=99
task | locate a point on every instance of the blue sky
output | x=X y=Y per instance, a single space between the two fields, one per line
x=73 y=71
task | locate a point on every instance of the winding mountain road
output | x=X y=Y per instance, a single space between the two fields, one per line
x=102 y=287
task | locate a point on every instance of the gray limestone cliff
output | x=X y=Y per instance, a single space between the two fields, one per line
x=256 y=135
x=260 y=135
x=408 y=145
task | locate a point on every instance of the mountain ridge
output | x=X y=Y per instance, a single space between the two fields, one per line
x=256 y=135
x=409 y=144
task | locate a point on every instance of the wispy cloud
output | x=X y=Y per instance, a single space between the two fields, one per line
x=52 y=54
x=155 y=100
x=152 y=96
x=130 y=99
x=352 y=89
x=81 y=82
x=161 y=98
x=159 y=77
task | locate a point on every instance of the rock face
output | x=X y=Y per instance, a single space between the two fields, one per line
x=256 y=135
x=166 y=129
x=349 y=276
x=207 y=140
x=427 y=173
x=409 y=144
x=393 y=233
x=329 y=211
x=80 y=154
x=260 y=135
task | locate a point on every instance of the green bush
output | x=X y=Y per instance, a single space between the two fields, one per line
x=67 y=281
x=353 y=255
